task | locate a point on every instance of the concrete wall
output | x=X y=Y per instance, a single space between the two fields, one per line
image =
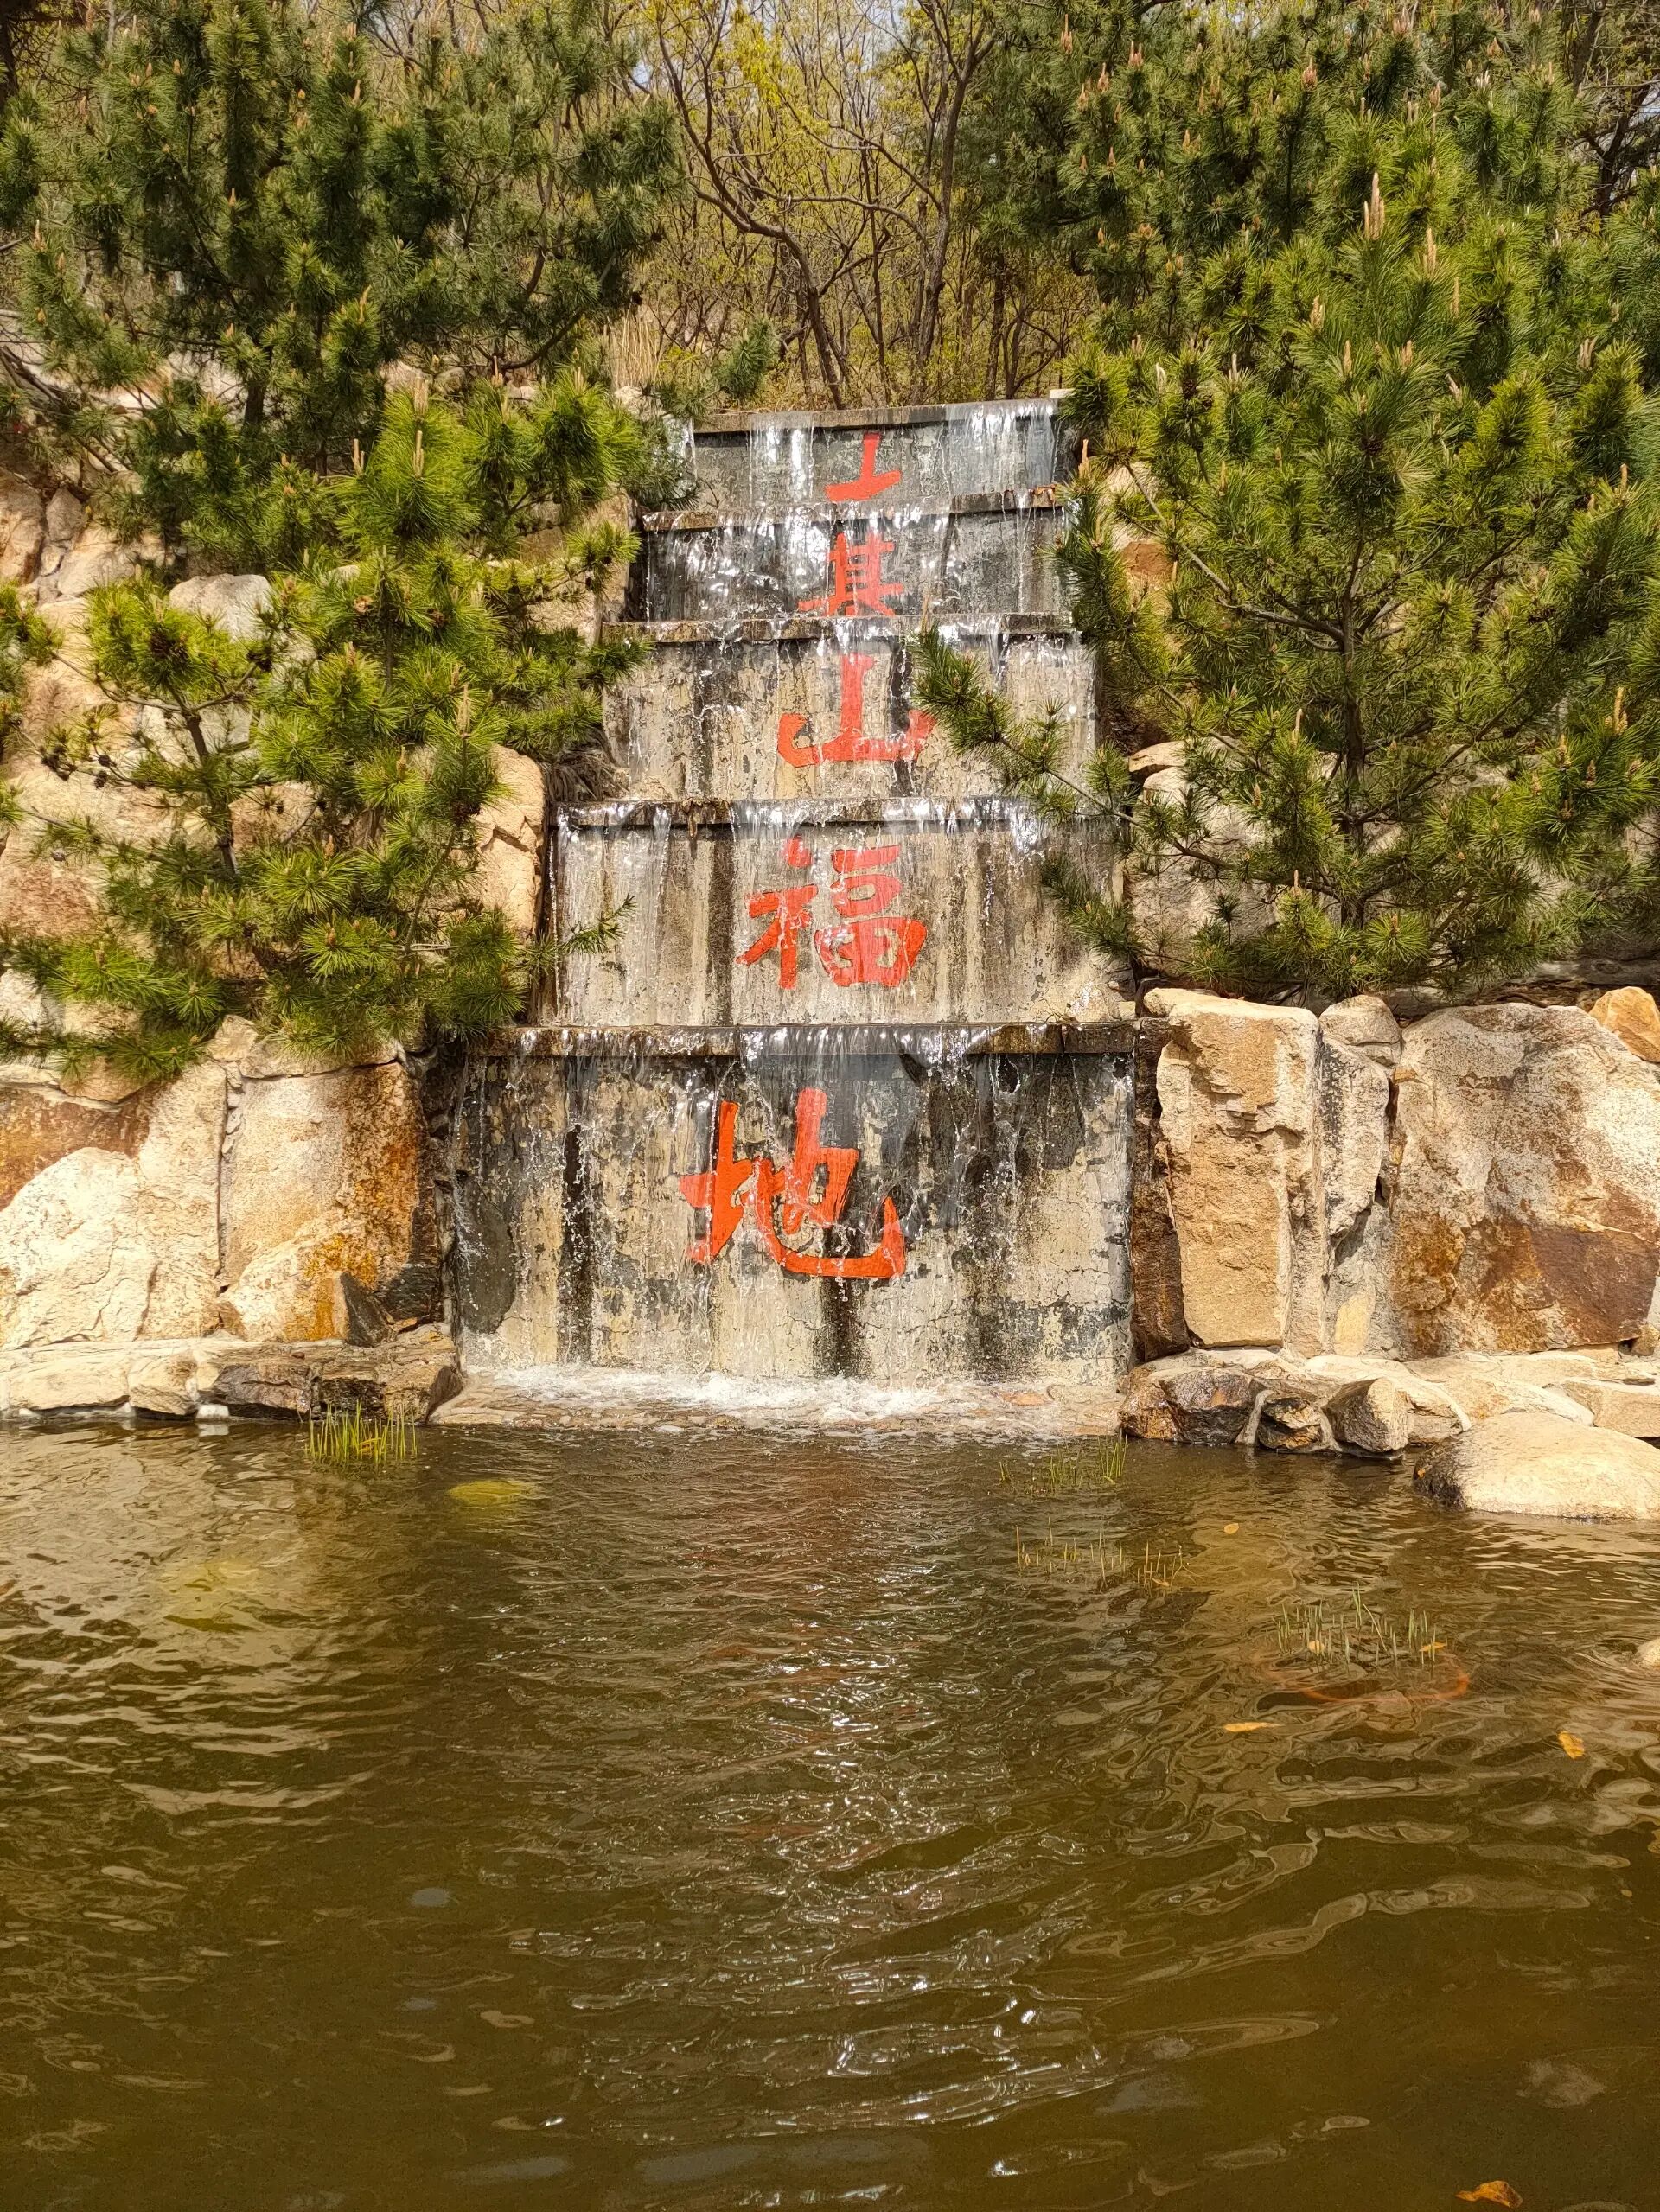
x=957 y=919
x=810 y=708
x=1006 y=1174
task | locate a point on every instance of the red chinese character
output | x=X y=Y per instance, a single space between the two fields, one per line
x=867 y=485
x=720 y=1191
x=858 y=585
x=787 y=912
x=850 y=742
x=785 y=1200
x=870 y=944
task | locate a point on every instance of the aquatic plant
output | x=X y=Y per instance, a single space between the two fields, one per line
x=1352 y=1634
x=1100 y=1558
x=352 y=1435
x=1064 y=1474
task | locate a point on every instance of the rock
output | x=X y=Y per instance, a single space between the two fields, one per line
x=22 y=531
x=235 y=604
x=1373 y=1419
x=1291 y=1420
x=1633 y=1017
x=108 y=1247
x=163 y=1383
x=1170 y=899
x=267 y=1381
x=510 y=828
x=328 y=1176
x=97 y=557
x=77 y=1378
x=368 y=1321
x=1210 y=1404
x=1365 y=1025
x=1483 y=1389
x=1648 y=1655
x=1632 y=1408
x=66 y=517
x=1143 y=1409
x=1152 y=760
x=404 y=1381
x=1528 y=1463
x=1525 y=1212
x=1237 y=1086
x=40 y=1124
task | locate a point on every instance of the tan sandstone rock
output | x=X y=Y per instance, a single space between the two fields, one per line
x=1526 y=1175
x=327 y=1174
x=73 y=1378
x=22 y=530
x=1632 y=1408
x=1237 y=1095
x=1634 y=1019
x=1526 y=1462
x=1366 y=1025
x=509 y=871
x=1372 y=1418
x=110 y=1245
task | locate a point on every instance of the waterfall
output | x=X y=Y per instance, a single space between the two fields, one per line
x=844 y=1098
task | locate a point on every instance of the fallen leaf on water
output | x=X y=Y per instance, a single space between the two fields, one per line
x=1490 y=2192
x=1574 y=1750
x=1245 y=1727
x=507 y=2019
x=1230 y=1528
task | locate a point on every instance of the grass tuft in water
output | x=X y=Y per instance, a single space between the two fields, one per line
x=1330 y=1633
x=1102 y=1560
x=354 y=1435
x=1066 y=1473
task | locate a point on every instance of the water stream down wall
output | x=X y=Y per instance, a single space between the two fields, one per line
x=844 y=1098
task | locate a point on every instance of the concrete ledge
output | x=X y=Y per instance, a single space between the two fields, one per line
x=934 y=1043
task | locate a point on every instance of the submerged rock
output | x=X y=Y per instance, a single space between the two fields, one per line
x=1532 y=1462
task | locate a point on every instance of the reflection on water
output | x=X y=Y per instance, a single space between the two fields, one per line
x=681 y=1823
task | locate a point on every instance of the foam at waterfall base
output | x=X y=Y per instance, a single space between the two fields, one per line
x=594 y=1397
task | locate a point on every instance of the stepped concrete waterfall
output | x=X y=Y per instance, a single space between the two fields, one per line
x=845 y=1101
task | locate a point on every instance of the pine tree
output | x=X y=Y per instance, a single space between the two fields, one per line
x=316 y=789
x=1400 y=469
x=237 y=213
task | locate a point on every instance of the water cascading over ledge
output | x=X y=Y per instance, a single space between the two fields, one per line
x=845 y=1099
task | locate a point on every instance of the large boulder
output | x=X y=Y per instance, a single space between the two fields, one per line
x=1633 y=1017
x=1526 y=1462
x=1236 y=1089
x=327 y=1174
x=105 y=1245
x=1526 y=1184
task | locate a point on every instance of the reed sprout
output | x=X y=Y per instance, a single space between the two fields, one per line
x=344 y=1436
x=1353 y=1632
x=1101 y=1560
x=1066 y=1474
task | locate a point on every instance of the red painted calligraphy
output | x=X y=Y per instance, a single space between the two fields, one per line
x=869 y=484
x=784 y=1200
x=850 y=742
x=869 y=944
x=857 y=583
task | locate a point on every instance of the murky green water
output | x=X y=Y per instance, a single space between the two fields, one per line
x=717 y=1823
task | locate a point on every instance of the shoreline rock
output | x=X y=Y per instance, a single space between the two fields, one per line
x=1537 y=1463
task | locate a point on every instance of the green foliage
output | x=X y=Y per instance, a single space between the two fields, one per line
x=239 y=213
x=315 y=790
x=741 y=371
x=1396 y=449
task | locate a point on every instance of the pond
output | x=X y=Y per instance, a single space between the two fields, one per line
x=704 y=1821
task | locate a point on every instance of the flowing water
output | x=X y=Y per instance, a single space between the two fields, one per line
x=704 y=1821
